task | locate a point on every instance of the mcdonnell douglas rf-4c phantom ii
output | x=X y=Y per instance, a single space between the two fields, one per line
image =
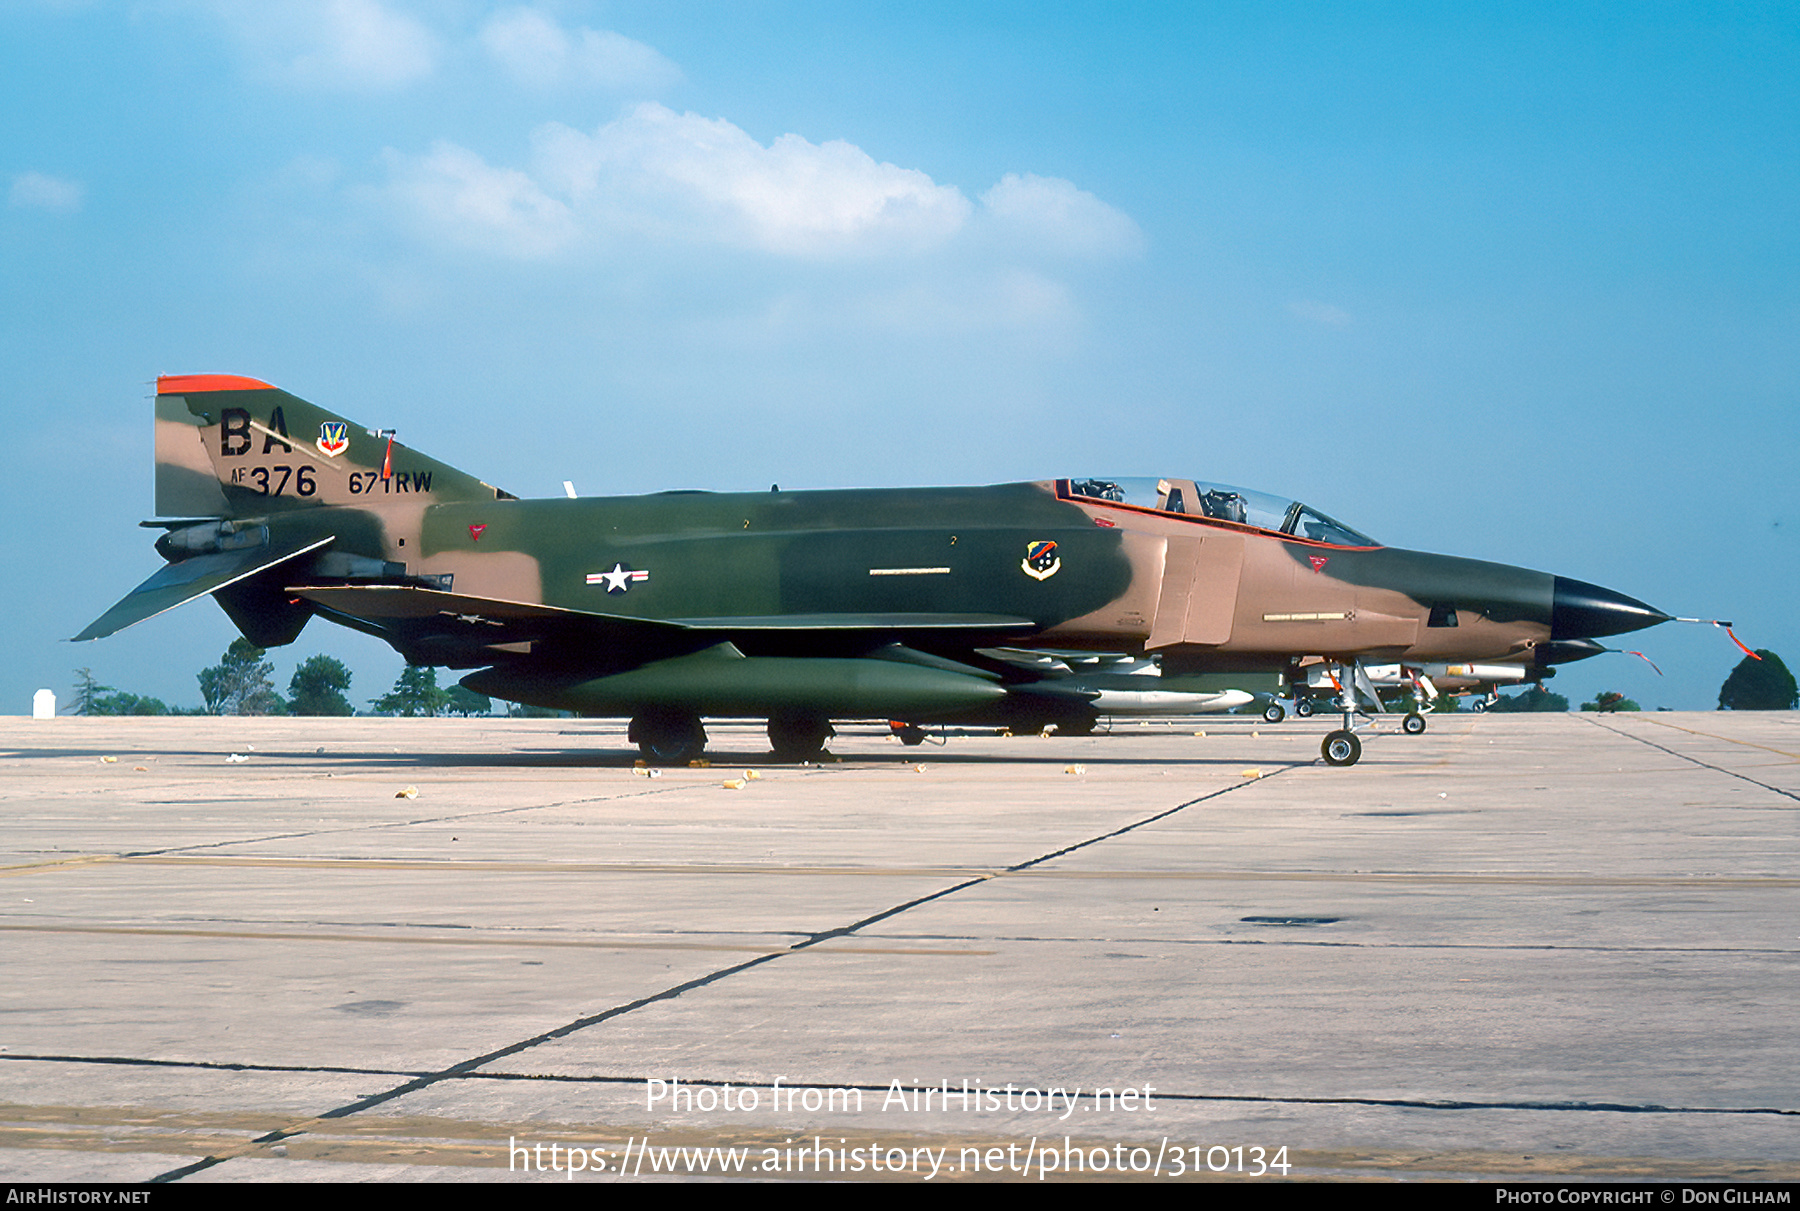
x=933 y=605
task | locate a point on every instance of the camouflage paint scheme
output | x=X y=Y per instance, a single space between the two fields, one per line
x=923 y=604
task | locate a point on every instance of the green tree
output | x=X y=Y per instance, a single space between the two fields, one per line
x=318 y=687
x=88 y=693
x=415 y=693
x=465 y=702
x=524 y=710
x=1608 y=701
x=1538 y=699
x=239 y=684
x=1759 y=685
x=121 y=703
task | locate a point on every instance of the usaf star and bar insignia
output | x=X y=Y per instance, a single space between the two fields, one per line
x=619 y=579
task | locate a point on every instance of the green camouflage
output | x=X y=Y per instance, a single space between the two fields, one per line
x=1016 y=604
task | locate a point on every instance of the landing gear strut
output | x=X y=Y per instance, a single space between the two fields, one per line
x=1342 y=747
x=668 y=738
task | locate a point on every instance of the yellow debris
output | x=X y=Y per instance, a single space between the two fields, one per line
x=109 y=760
x=699 y=763
x=1074 y=769
x=1252 y=773
x=411 y=792
x=751 y=775
x=1199 y=733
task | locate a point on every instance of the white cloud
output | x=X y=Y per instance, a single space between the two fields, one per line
x=453 y=194
x=707 y=179
x=683 y=179
x=357 y=45
x=1053 y=215
x=40 y=191
x=538 y=52
x=1321 y=313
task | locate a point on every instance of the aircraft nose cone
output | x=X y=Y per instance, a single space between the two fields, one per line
x=1580 y=610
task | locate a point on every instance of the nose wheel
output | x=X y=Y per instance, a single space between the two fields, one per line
x=1341 y=748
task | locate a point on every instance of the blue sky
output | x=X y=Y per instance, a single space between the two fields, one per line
x=1513 y=281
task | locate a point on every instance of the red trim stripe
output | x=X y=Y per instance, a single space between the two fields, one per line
x=194 y=384
x=1064 y=493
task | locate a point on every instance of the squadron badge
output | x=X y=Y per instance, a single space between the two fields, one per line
x=1041 y=561
x=334 y=438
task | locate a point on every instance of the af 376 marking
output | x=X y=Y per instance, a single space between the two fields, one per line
x=304 y=482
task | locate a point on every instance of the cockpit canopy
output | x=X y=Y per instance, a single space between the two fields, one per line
x=1222 y=502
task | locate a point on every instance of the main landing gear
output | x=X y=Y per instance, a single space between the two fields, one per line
x=799 y=737
x=668 y=737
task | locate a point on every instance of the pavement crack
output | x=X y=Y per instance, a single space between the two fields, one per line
x=1718 y=769
x=466 y=1068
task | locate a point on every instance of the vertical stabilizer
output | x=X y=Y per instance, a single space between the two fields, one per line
x=236 y=447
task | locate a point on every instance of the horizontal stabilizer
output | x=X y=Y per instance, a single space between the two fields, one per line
x=178 y=583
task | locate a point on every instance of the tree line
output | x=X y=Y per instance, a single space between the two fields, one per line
x=1760 y=682
x=242 y=684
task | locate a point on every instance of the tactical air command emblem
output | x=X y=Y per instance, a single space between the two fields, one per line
x=1041 y=561
x=334 y=438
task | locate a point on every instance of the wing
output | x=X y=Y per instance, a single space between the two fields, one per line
x=456 y=630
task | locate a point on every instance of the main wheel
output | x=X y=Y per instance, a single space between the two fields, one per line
x=672 y=739
x=1413 y=724
x=799 y=737
x=1273 y=713
x=1341 y=748
x=1303 y=707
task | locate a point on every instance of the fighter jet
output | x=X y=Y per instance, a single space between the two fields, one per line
x=919 y=605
